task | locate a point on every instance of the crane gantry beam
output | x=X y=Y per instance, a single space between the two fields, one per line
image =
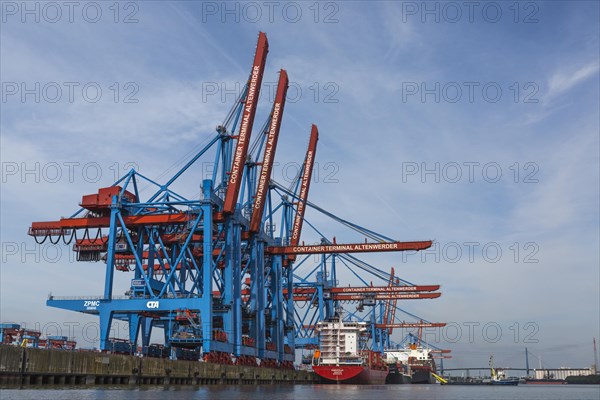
x=412 y=325
x=350 y=248
x=372 y=289
x=377 y=296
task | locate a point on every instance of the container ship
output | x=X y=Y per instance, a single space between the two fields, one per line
x=411 y=364
x=399 y=374
x=544 y=381
x=341 y=358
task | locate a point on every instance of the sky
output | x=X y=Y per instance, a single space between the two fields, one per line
x=476 y=126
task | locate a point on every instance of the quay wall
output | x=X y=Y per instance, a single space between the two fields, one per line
x=30 y=366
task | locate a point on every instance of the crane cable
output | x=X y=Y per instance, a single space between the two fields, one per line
x=370 y=234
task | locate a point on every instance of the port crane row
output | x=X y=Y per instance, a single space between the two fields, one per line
x=213 y=272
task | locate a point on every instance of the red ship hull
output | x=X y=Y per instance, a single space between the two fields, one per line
x=351 y=374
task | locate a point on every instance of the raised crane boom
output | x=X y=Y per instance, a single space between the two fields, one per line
x=390 y=305
x=309 y=162
x=243 y=139
x=269 y=154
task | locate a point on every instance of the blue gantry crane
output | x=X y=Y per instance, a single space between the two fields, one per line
x=213 y=272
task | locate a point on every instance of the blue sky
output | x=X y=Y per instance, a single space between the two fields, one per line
x=382 y=81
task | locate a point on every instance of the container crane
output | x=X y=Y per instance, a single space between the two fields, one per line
x=216 y=278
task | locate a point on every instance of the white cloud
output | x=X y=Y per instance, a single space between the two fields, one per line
x=563 y=81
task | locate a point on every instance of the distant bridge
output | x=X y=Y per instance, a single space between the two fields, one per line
x=468 y=370
x=478 y=369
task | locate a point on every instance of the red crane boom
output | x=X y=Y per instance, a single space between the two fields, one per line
x=369 y=289
x=243 y=138
x=385 y=289
x=412 y=325
x=57 y=227
x=269 y=154
x=377 y=296
x=64 y=224
x=347 y=248
x=309 y=162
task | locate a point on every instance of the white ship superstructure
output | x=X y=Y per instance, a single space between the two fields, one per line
x=339 y=342
x=402 y=355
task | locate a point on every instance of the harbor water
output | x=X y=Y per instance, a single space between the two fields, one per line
x=314 y=392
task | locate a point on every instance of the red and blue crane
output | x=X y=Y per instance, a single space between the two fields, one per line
x=213 y=272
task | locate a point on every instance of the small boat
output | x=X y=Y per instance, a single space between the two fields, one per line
x=499 y=376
